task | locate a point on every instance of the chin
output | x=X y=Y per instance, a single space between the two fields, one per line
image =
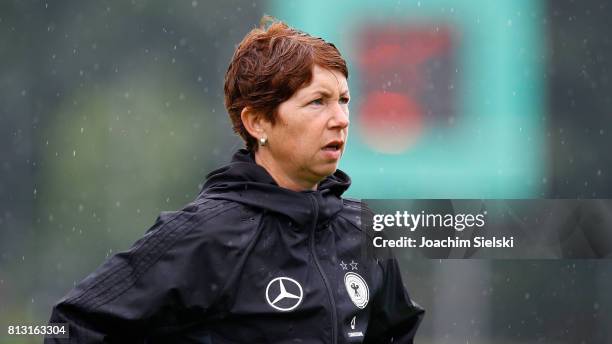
x=328 y=170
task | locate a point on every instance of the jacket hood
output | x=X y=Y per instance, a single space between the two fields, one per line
x=243 y=181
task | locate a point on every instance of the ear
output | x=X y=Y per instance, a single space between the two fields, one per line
x=253 y=122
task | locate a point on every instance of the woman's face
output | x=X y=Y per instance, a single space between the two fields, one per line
x=308 y=139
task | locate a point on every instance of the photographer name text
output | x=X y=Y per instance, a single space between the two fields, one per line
x=477 y=242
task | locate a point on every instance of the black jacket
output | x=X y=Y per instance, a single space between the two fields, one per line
x=246 y=262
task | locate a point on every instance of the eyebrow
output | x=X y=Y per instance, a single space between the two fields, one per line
x=326 y=93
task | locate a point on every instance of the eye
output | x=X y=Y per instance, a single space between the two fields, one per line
x=344 y=100
x=318 y=101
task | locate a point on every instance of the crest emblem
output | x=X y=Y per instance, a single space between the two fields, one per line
x=357 y=289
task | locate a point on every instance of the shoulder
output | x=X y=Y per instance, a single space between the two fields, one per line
x=356 y=217
x=202 y=236
x=207 y=219
x=219 y=212
x=354 y=211
x=203 y=227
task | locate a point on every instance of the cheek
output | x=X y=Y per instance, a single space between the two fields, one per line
x=290 y=142
x=301 y=136
x=309 y=139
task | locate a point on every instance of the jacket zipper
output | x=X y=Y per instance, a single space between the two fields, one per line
x=332 y=301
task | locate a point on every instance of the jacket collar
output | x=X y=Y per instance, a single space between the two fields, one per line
x=246 y=182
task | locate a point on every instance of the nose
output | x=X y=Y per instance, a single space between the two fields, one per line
x=340 y=117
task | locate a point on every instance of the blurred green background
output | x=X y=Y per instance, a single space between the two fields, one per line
x=112 y=111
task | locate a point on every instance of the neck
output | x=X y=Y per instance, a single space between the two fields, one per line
x=282 y=178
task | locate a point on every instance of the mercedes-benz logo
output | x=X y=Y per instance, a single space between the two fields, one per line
x=284 y=294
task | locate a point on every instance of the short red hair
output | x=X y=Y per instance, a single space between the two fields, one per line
x=269 y=66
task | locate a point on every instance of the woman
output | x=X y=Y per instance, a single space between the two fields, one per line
x=269 y=252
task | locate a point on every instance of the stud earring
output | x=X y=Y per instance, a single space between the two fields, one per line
x=263 y=141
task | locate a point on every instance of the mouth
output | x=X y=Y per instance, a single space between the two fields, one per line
x=334 y=146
